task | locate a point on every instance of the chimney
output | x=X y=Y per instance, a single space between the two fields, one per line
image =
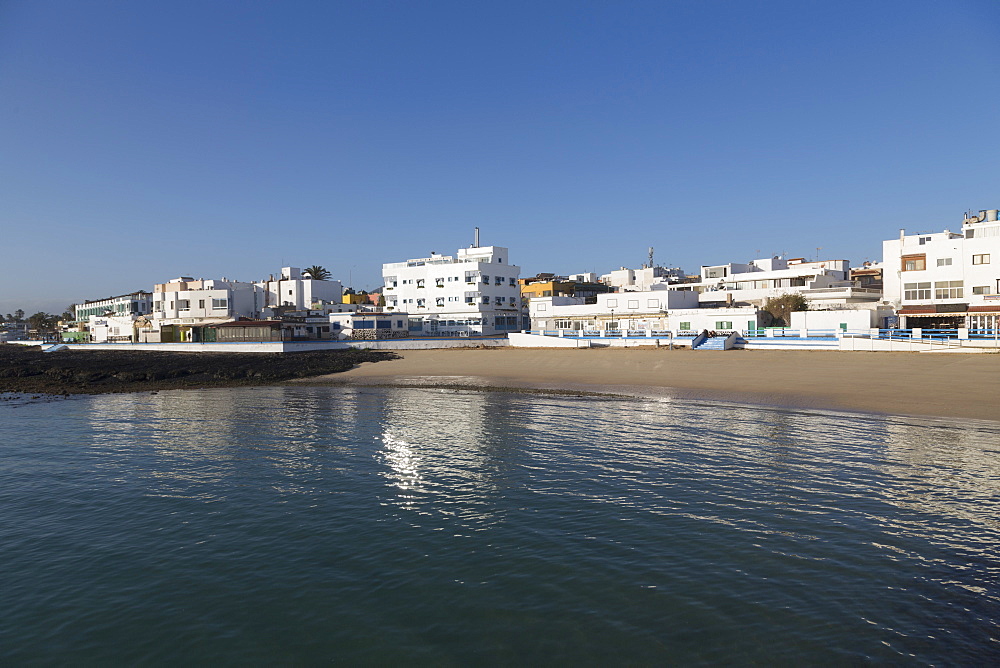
x=475 y=244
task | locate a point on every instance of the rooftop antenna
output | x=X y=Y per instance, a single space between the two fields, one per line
x=650 y=257
x=475 y=244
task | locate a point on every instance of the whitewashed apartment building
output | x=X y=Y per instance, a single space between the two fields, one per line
x=293 y=289
x=825 y=284
x=474 y=292
x=185 y=300
x=944 y=280
x=637 y=312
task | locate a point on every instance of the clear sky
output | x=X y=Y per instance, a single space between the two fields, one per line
x=142 y=141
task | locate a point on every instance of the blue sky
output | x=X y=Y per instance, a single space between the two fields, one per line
x=142 y=141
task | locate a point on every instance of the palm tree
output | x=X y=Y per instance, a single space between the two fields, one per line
x=39 y=321
x=317 y=273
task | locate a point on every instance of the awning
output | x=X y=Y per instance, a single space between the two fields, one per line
x=923 y=314
x=984 y=309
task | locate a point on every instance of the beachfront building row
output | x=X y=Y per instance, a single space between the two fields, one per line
x=679 y=311
x=822 y=283
x=472 y=293
x=945 y=280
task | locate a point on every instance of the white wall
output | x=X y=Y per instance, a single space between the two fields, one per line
x=855 y=319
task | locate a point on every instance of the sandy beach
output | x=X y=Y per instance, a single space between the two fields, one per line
x=944 y=385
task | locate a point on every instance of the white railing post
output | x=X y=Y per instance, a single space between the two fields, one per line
x=917 y=333
x=963 y=333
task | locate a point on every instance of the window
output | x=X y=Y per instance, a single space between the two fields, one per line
x=220 y=303
x=923 y=240
x=982 y=290
x=420 y=282
x=513 y=301
x=498 y=301
x=652 y=303
x=499 y=280
x=201 y=303
x=948 y=290
x=486 y=279
x=564 y=324
x=914 y=262
x=944 y=262
x=685 y=325
x=420 y=303
x=184 y=304
x=914 y=291
x=981 y=259
x=513 y=282
x=633 y=303
x=440 y=301
x=612 y=303
x=724 y=324
x=543 y=307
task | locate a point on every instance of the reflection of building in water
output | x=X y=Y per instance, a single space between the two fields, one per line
x=944 y=467
x=181 y=439
x=454 y=442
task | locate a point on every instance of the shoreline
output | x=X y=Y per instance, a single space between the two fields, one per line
x=28 y=370
x=912 y=384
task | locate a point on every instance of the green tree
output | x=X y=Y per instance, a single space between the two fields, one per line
x=781 y=308
x=19 y=315
x=39 y=321
x=317 y=273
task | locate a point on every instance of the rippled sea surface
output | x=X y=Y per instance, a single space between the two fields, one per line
x=294 y=526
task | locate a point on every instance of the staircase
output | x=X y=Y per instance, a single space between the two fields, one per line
x=712 y=343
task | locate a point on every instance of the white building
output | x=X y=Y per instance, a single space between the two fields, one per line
x=133 y=303
x=474 y=292
x=616 y=311
x=293 y=289
x=824 y=283
x=112 y=328
x=185 y=301
x=369 y=325
x=946 y=279
x=640 y=280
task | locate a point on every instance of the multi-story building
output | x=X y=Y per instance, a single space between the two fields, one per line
x=946 y=279
x=640 y=280
x=183 y=303
x=300 y=292
x=474 y=292
x=823 y=283
x=628 y=311
x=133 y=303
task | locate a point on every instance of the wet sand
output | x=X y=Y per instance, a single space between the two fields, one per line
x=944 y=385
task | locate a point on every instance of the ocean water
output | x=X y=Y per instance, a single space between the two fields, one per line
x=297 y=526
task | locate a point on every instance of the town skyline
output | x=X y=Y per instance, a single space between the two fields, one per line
x=150 y=142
